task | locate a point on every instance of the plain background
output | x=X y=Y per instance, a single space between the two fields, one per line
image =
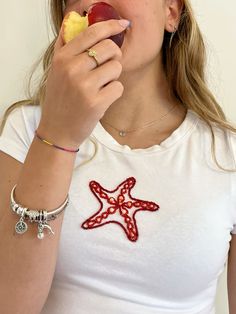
x=26 y=33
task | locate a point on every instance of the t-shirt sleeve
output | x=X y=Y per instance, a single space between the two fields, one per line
x=233 y=149
x=18 y=132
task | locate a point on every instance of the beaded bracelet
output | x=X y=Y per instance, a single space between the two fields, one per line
x=39 y=216
x=56 y=146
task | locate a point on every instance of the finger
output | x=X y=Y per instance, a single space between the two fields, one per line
x=110 y=93
x=105 y=51
x=109 y=71
x=94 y=34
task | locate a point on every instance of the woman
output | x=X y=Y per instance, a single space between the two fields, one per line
x=145 y=213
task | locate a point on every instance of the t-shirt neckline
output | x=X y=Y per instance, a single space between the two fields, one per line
x=188 y=124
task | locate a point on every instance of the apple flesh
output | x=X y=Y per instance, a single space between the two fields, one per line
x=102 y=11
x=74 y=23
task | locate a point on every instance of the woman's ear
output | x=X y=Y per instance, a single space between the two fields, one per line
x=173 y=10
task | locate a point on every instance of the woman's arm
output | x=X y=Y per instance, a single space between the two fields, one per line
x=231 y=280
x=27 y=264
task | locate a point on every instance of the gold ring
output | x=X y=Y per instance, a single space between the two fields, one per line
x=92 y=53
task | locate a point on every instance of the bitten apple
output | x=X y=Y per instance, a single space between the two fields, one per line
x=102 y=11
x=74 y=23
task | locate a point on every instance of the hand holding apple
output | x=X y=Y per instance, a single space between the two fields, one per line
x=78 y=92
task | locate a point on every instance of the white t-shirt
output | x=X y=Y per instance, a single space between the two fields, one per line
x=147 y=231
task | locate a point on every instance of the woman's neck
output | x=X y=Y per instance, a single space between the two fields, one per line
x=146 y=98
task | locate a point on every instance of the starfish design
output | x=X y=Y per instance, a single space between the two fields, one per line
x=118 y=206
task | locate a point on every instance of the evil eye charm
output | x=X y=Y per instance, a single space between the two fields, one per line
x=21 y=227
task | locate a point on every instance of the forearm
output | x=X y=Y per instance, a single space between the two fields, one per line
x=232 y=297
x=231 y=277
x=27 y=263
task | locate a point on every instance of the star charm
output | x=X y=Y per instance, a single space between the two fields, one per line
x=118 y=206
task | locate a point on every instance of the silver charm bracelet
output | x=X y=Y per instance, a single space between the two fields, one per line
x=39 y=216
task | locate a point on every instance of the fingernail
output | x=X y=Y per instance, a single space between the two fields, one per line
x=125 y=23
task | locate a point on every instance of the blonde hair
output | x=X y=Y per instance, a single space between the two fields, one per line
x=184 y=64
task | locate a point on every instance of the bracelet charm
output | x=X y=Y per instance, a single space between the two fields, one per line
x=42 y=226
x=21 y=227
x=41 y=217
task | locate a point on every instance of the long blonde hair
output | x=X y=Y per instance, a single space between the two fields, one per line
x=184 y=63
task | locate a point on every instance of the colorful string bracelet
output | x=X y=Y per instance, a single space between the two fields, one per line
x=56 y=146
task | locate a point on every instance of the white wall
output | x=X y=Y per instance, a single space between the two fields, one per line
x=217 y=19
x=24 y=35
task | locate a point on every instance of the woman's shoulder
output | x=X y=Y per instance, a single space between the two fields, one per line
x=22 y=118
x=231 y=135
x=28 y=114
x=18 y=131
x=224 y=142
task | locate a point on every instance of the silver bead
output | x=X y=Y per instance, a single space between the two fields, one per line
x=40 y=235
x=20 y=210
x=32 y=214
x=14 y=206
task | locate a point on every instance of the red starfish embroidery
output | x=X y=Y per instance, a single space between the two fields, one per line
x=119 y=209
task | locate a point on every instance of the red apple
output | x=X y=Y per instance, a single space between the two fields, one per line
x=102 y=11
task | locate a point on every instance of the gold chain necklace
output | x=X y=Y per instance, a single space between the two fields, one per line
x=123 y=133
